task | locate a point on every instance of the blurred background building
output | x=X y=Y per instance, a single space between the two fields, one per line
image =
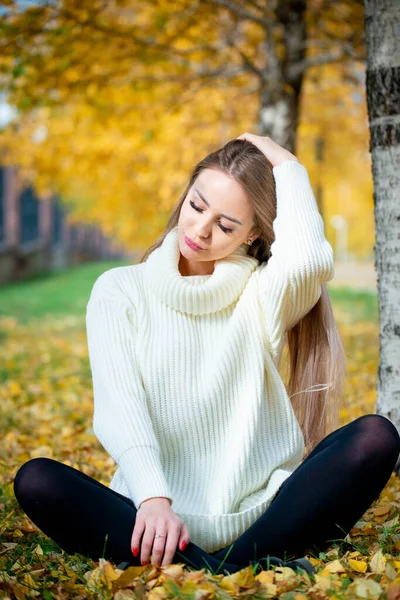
x=36 y=235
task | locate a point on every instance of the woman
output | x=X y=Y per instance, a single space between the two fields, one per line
x=184 y=349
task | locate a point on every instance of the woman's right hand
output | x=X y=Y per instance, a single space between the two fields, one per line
x=155 y=515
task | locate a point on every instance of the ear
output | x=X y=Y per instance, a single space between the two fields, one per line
x=254 y=235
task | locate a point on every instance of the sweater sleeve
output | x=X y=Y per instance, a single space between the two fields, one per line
x=301 y=257
x=121 y=421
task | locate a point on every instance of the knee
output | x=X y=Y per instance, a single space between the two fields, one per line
x=375 y=437
x=32 y=479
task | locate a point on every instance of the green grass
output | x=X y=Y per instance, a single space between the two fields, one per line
x=57 y=294
x=355 y=305
x=66 y=292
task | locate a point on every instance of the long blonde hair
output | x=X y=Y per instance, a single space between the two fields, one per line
x=315 y=349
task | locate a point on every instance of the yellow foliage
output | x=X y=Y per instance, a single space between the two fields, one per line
x=117 y=124
x=358 y=565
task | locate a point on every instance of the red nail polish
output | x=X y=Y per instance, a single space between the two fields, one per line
x=135 y=551
x=183 y=546
x=144 y=563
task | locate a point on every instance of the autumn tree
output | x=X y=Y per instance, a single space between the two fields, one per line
x=382 y=25
x=112 y=95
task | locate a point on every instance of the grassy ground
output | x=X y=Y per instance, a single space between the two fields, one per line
x=46 y=405
x=55 y=294
x=66 y=292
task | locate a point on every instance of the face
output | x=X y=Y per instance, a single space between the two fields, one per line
x=217 y=217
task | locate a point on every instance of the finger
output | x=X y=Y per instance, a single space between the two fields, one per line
x=147 y=543
x=171 y=544
x=137 y=532
x=185 y=535
x=248 y=136
x=159 y=546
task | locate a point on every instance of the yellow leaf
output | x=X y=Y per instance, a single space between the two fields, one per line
x=382 y=510
x=14 y=388
x=265 y=577
x=27 y=526
x=358 y=565
x=243 y=578
x=128 y=576
x=158 y=593
x=335 y=566
x=38 y=550
x=377 y=562
x=391 y=522
x=30 y=582
x=390 y=572
x=17 y=533
x=45 y=451
x=108 y=575
x=284 y=573
x=124 y=595
x=366 y=588
x=322 y=583
x=229 y=585
x=16 y=566
x=270 y=588
x=173 y=571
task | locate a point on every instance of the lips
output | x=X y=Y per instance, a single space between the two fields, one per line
x=193 y=243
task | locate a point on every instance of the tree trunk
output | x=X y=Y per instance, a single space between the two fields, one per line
x=382 y=28
x=281 y=86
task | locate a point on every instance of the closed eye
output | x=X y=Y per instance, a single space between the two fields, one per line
x=224 y=229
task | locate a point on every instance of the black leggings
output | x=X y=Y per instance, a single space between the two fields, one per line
x=318 y=503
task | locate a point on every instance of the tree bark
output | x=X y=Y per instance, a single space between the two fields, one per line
x=382 y=27
x=281 y=84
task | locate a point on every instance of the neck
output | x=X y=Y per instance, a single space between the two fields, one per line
x=187 y=268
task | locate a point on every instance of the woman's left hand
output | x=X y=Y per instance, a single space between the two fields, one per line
x=273 y=151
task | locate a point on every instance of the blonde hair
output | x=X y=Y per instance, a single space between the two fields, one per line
x=315 y=349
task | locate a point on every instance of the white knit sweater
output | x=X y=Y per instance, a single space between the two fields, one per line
x=188 y=400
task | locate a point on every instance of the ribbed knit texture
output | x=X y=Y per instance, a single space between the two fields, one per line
x=188 y=400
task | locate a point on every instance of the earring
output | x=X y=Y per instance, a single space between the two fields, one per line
x=249 y=242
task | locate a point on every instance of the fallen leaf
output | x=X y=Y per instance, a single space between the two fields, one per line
x=322 y=583
x=366 y=588
x=377 y=562
x=358 y=565
x=393 y=591
x=390 y=571
x=128 y=577
x=335 y=566
x=124 y=595
x=284 y=573
x=383 y=509
x=158 y=593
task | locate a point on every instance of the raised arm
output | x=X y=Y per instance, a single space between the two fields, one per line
x=301 y=257
x=121 y=420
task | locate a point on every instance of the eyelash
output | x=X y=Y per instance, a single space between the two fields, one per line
x=225 y=229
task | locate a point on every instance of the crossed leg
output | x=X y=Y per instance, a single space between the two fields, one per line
x=320 y=501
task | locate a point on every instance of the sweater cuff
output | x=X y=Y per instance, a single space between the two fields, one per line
x=143 y=475
x=293 y=188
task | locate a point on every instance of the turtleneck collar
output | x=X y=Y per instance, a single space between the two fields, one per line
x=197 y=294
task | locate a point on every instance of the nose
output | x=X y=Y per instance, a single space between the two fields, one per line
x=202 y=230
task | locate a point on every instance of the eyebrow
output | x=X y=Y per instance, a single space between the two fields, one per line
x=222 y=215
